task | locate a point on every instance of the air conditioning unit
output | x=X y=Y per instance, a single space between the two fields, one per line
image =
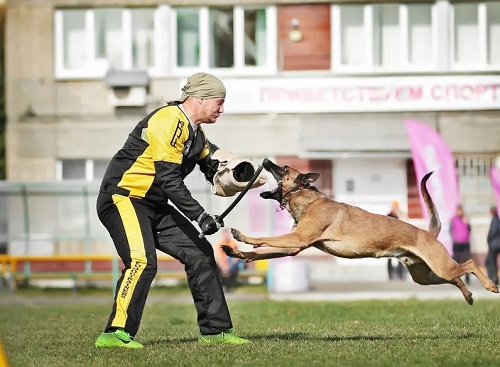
x=127 y=96
x=127 y=88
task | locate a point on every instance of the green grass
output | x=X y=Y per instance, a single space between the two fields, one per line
x=372 y=333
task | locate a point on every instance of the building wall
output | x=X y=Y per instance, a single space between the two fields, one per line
x=471 y=132
x=51 y=119
x=29 y=64
x=313 y=51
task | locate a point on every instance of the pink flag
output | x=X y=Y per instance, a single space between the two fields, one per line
x=495 y=183
x=431 y=153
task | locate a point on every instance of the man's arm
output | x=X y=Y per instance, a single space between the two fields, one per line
x=208 y=165
x=169 y=175
x=170 y=178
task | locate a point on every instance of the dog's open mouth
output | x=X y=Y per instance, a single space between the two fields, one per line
x=273 y=194
x=276 y=171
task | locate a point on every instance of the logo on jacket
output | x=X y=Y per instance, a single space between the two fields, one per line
x=177 y=133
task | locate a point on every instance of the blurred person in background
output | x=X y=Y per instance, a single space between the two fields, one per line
x=397 y=271
x=143 y=179
x=493 y=245
x=460 y=235
x=229 y=267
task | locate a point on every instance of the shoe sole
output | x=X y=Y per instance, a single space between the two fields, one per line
x=211 y=342
x=98 y=345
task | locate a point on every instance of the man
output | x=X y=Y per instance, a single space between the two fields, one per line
x=460 y=235
x=229 y=267
x=493 y=245
x=133 y=204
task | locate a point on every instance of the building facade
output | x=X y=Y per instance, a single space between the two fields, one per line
x=323 y=86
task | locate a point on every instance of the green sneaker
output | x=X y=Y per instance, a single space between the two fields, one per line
x=118 y=338
x=226 y=337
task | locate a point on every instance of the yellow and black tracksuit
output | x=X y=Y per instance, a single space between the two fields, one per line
x=133 y=204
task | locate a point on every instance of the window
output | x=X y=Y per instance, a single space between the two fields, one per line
x=91 y=41
x=420 y=28
x=352 y=29
x=73 y=169
x=188 y=37
x=386 y=40
x=236 y=39
x=383 y=37
x=493 y=35
x=81 y=169
x=474 y=181
x=476 y=36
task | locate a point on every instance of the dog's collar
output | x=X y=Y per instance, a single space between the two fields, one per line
x=286 y=199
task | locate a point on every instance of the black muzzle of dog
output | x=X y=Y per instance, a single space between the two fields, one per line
x=278 y=173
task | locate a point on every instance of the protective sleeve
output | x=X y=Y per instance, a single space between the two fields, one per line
x=170 y=178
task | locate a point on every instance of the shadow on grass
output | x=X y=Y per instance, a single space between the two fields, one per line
x=163 y=342
x=308 y=337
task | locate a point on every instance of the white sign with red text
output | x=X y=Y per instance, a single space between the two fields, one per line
x=370 y=94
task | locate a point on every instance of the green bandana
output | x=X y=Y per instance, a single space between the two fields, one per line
x=203 y=85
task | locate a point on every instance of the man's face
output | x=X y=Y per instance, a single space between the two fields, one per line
x=212 y=109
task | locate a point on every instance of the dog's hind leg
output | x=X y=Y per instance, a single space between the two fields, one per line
x=470 y=266
x=260 y=254
x=435 y=255
x=422 y=274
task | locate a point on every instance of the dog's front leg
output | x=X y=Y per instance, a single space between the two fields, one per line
x=260 y=254
x=291 y=240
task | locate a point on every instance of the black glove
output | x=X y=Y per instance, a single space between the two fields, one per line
x=209 y=224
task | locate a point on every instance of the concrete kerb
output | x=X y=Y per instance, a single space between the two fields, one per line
x=387 y=290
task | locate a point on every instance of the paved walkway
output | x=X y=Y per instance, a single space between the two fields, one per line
x=328 y=291
x=41 y=300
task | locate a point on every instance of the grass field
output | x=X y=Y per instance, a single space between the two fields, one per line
x=371 y=333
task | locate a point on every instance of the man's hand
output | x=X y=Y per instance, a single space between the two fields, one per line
x=209 y=224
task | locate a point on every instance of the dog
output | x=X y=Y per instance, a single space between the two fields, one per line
x=347 y=231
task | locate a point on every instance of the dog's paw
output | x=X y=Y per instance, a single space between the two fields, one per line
x=229 y=251
x=492 y=287
x=236 y=234
x=469 y=299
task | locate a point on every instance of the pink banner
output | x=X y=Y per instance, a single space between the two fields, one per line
x=495 y=183
x=431 y=153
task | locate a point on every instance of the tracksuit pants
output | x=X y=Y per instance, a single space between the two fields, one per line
x=138 y=229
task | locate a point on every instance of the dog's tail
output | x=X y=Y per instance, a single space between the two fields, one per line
x=435 y=223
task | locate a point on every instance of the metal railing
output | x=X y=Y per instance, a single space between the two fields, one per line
x=59 y=218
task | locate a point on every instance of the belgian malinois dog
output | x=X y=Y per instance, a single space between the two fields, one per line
x=347 y=231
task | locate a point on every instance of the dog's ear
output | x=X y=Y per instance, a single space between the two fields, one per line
x=308 y=178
